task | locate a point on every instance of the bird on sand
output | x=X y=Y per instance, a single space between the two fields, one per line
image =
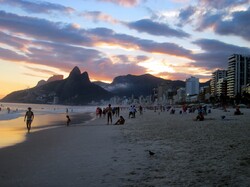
x=151 y=153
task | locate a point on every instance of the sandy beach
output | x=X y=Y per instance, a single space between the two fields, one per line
x=214 y=152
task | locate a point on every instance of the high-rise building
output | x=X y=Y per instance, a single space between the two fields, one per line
x=238 y=74
x=192 y=86
x=218 y=74
x=221 y=87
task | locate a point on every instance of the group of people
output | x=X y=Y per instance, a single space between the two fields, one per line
x=132 y=111
x=102 y=112
x=110 y=112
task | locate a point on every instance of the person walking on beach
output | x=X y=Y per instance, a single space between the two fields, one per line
x=140 y=109
x=29 y=116
x=109 y=113
x=68 y=120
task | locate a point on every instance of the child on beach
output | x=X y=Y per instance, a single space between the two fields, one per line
x=29 y=116
x=68 y=120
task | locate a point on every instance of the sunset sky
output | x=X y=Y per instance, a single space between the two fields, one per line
x=172 y=39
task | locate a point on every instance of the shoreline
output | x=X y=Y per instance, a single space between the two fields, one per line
x=213 y=152
x=13 y=131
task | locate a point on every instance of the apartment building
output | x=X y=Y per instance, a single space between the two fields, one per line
x=238 y=74
x=216 y=76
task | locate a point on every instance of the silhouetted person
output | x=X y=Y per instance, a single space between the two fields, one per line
x=109 y=113
x=140 y=109
x=68 y=120
x=200 y=116
x=237 y=111
x=120 y=121
x=29 y=116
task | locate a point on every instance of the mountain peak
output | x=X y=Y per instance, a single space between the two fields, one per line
x=85 y=77
x=75 y=72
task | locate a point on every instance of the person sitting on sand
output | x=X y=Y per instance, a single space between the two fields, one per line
x=131 y=112
x=172 y=111
x=68 y=120
x=29 y=116
x=237 y=111
x=120 y=121
x=200 y=116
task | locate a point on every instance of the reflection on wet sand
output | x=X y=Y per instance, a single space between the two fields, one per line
x=14 y=131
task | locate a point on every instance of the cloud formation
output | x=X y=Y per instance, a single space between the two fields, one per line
x=155 y=28
x=216 y=53
x=222 y=4
x=38 y=6
x=225 y=17
x=107 y=44
x=42 y=29
x=238 y=25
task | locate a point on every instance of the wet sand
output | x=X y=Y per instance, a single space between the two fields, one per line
x=213 y=152
x=14 y=130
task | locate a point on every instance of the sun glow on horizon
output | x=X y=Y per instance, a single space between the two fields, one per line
x=116 y=46
x=156 y=67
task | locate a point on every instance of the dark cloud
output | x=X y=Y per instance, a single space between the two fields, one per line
x=109 y=36
x=62 y=56
x=164 y=48
x=42 y=29
x=157 y=29
x=238 y=26
x=208 y=20
x=222 y=4
x=38 y=6
x=185 y=15
x=218 y=16
x=216 y=53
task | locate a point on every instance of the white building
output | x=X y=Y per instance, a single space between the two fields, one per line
x=192 y=86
